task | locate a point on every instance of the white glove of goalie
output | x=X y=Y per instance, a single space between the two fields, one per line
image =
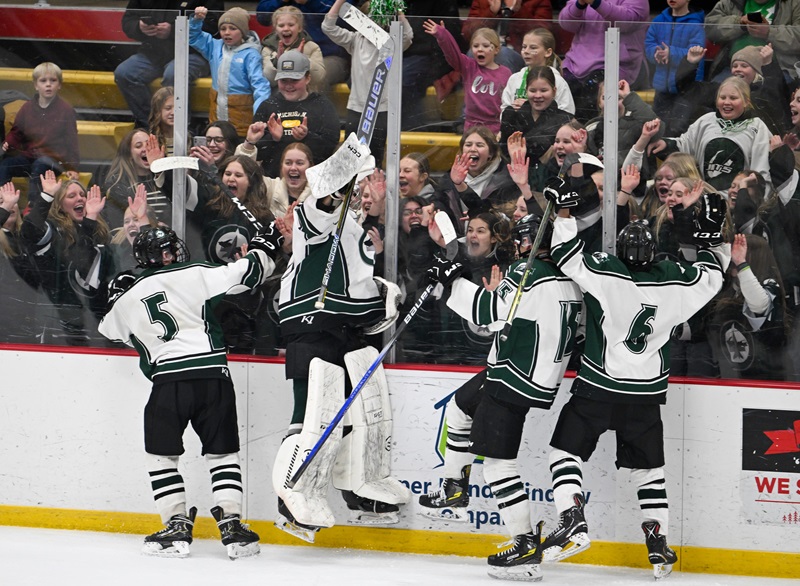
x=392 y=297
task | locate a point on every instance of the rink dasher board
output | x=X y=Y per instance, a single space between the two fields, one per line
x=73 y=459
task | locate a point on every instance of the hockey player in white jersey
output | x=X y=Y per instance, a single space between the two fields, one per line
x=326 y=355
x=524 y=371
x=165 y=315
x=632 y=307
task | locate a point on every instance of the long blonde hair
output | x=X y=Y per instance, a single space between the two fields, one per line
x=65 y=224
x=5 y=246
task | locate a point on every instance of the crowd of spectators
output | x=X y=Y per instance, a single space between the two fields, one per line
x=723 y=115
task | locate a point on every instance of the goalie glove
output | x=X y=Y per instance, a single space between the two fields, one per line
x=444 y=271
x=269 y=240
x=562 y=196
x=392 y=298
x=709 y=219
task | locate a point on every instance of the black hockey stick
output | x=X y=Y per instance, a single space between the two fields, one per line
x=569 y=161
x=210 y=171
x=366 y=127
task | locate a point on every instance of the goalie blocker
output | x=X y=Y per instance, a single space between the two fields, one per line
x=358 y=463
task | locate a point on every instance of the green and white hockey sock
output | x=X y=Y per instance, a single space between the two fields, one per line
x=567 y=472
x=459 y=426
x=169 y=491
x=652 y=494
x=512 y=502
x=226 y=482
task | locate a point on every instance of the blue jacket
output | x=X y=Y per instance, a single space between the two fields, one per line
x=233 y=71
x=678 y=34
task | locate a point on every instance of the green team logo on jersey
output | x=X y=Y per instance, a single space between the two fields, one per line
x=641 y=328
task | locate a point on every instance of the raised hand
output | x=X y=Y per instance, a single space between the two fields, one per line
x=50 y=184
x=275 y=127
x=8 y=196
x=518 y=168
x=459 y=170
x=516 y=142
x=153 y=150
x=429 y=26
x=138 y=204
x=739 y=249
x=629 y=179
x=695 y=54
x=255 y=132
x=95 y=202
x=301 y=131
x=495 y=278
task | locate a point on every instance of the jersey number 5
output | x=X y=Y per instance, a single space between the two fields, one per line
x=158 y=315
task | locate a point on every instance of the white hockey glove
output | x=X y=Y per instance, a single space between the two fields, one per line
x=392 y=297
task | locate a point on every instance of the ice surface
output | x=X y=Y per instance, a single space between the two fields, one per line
x=37 y=557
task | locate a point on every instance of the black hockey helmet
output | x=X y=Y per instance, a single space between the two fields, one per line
x=524 y=233
x=151 y=242
x=636 y=245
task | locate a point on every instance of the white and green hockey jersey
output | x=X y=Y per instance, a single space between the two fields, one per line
x=724 y=148
x=167 y=316
x=528 y=367
x=352 y=298
x=630 y=315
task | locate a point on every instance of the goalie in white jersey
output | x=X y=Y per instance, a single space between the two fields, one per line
x=524 y=371
x=632 y=307
x=165 y=314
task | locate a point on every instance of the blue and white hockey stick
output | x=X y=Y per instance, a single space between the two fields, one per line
x=364 y=379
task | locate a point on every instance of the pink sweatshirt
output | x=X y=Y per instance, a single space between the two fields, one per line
x=483 y=87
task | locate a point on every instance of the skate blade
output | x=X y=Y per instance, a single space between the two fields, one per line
x=661 y=571
x=243 y=550
x=521 y=573
x=577 y=543
x=305 y=534
x=178 y=549
x=456 y=514
x=370 y=518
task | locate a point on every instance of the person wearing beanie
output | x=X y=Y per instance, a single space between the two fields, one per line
x=751 y=55
x=238 y=85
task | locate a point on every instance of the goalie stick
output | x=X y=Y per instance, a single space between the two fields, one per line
x=170 y=163
x=364 y=379
x=569 y=161
x=366 y=125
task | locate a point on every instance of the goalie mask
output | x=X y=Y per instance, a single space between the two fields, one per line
x=636 y=245
x=151 y=243
x=524 y=233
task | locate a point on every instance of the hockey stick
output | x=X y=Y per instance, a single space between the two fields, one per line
x=569 y=161
x=364 y=379
x=450 y=253
x=170 y=163
x=366 y=124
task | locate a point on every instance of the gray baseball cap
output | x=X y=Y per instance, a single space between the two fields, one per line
x=292 y=65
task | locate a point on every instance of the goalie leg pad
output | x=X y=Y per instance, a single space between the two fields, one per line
x=363 y=465
x=307 y=501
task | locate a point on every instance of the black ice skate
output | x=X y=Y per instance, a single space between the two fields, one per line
x=286 y=522
x=236 y=536
x=570 y=537
x=661 y=555
x=449 y=503
x=174 y=539
x=370 y=512
x=521 y=560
